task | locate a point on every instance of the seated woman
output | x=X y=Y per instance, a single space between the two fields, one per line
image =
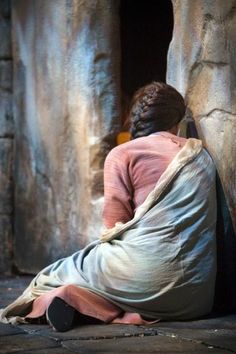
x=156 y=259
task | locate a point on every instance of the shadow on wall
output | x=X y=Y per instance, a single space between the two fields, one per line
x=225 y=297
x=146 y=31
x=225 y=292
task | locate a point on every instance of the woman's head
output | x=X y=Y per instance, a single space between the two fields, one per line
x=155 y=107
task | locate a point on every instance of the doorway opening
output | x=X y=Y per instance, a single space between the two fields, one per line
x=146 y=31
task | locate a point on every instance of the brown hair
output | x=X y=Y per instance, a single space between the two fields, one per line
x=155 y=107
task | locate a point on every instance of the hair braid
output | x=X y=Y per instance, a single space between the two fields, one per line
x=155 y=107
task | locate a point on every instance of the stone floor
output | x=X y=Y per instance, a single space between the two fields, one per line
x=213 y=335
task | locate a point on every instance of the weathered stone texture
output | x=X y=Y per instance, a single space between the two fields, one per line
x=5 y=244
x=6 y=74
x=6 y=142
x=5 y=35
x=25 y=343
x=6 y=115
x=5 y=8
x=6 y=119
x=66 y=112
x=202 y=65
x=6 y=152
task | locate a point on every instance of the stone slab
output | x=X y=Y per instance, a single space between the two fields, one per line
x=216 y=322
x=7 y=329
x=11 y=288
x=155 y=344
x=6 y=115
x=200 y=332
x=210 y=335
x=5 y=35
x=40 y=329
x=219 y=338
x=57 y=350
x=214 y=331
x=92 y=332
x=23 y=342
x=6 y=74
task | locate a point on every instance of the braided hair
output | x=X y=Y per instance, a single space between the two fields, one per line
x=155 y=107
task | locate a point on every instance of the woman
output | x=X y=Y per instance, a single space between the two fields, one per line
x=156 y=260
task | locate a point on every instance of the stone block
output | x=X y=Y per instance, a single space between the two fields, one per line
x=57 y=350
x=92 y=332
x=224 y=338
x=6 y=74
x=155 y=344
x=23 y=342
x=6 y=187
x=9 y=330
x=227 y=322
x=5 y=35
x=5 y=244
x=6 y=115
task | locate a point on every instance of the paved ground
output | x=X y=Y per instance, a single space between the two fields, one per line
x=213 y=335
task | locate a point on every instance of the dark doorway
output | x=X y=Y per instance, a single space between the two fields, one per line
x=146 y=31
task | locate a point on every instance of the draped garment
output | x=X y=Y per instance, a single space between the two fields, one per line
x=160 y=264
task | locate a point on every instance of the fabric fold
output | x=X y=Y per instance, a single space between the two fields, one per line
x=159 y=265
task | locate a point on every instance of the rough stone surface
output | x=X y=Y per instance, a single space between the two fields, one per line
x=9 y=330
x=5 y=10
x=224 y=338
x=66 y=112
x=218 y=332
x=219 y=321
x=5 y=244
x=6 y=74
x=54 y=350
x=6 y=115
x=6 y=188
x=23 y=342
x=5 y=35
x=157 y=344
x=93 y=332
x=6 y=142
x=202 y=66
x=11 y=288
x=215 y=334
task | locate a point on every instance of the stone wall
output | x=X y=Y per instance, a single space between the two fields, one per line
x=66 y=109
x=66 y=82
x=6 y=139
x=202 y=65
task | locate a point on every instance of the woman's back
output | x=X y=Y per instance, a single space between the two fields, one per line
x=131 y=172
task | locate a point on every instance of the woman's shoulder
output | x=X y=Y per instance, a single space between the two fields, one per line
x=122 y=154
x=127 y=147
x=119 y=152
x=149 y=142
